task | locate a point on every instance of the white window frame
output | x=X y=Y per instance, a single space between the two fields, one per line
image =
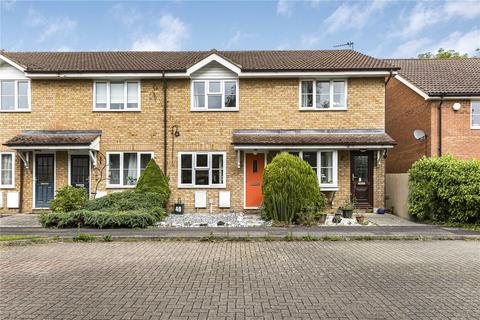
x=323 y=186
x=15 y=109
x=122 y=153
x=194 y=168
x=471 y=115
x=207 y=92
x=125 y=96
x=12 y=185
x=314 y=107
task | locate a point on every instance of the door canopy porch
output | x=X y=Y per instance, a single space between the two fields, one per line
x=55 y=140
x=311 y=139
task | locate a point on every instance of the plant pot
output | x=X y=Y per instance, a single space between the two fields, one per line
x=381 y=211
x=322 y=218
x=360 y=219
x=347 y=213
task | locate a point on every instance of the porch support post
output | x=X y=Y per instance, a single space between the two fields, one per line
x=93 y=157
x=24 y=157
x=238 y=159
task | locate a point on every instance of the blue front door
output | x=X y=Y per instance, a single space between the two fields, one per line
x=44 y=179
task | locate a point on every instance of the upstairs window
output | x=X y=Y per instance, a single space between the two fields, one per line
x=214 y=95
x=201 y=169
x=475 y=115
x=116 y=96
x=7 y=161
x=14 y=95
x=323 y=94
x=124 y=168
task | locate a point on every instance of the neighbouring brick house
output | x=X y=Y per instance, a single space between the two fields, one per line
x=441 y=97
x=212 y=120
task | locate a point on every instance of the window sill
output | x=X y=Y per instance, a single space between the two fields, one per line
x=7 y=187
x=120 y=187
x=120 y=110
x=15 y=111
x=329 y=188
x=475 y=128
x=201 y=187
x=214 y=110
x=322 y=110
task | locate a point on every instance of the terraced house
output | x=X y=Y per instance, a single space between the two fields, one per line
x=212 y=120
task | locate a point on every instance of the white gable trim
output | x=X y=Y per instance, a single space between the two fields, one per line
x=412 y=86
x=213 y=57
x=12 y=63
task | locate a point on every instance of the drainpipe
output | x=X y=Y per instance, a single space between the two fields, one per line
x=164 y=82
x=439 y=111
x=390 y=76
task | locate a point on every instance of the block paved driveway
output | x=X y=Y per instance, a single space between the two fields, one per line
x=240 y=280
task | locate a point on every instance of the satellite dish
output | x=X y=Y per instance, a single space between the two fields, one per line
x=456 y=106
x=419 y=134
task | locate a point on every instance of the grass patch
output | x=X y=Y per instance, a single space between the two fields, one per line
x=84 y=237
x=309 y=237
x=12 y=238
x=467 y=226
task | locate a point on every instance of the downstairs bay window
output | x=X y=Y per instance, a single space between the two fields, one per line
x=124 y=168
x=201 y=169
x=325 y=165
x=7 y=165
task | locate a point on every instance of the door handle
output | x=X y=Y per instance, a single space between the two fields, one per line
x=44 y=183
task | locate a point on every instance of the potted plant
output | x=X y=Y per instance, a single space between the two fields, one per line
x=321 y=217
x=360 y=217
x=338 y=217
x=347 y=209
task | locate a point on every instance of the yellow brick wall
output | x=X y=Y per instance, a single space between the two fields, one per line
x=263 y=104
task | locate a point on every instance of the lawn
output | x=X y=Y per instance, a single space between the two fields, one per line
x=10 y=237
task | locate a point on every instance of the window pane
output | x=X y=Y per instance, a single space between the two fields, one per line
x=101 y=95
x=326 y=175
x=476 y=120
x=201 y=177
x=132 y=95
x=311 y=159
x=130 y=168
x=186 y=176
x=22 y=94
x=476 y=114
x=326 y=172
x=144 y=160
x=323 y=94
x=327 y=159
x=230 y=94
x=114 y=168
x=307 y=94
x=294 y=153
x=476 y=107
x=186 y=161
x=217 y=169
x=8 y=95
x=202 y=161
x=116 y=96
x=214 y=86
x=214 y=102
x=338 y=94
x=199 y=94
x=6 y=168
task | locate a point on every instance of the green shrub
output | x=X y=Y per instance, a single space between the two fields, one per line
x=67 y=199
x=125 y=201
x=154 y=180
x=99 y=219
x=290 y=187
x=84 y=237
x=445 y=189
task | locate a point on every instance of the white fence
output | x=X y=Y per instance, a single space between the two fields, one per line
x=396 y=192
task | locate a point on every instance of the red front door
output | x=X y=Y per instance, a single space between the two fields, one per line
x=254 y=164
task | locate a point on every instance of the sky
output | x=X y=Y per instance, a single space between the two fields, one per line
x=383 y=29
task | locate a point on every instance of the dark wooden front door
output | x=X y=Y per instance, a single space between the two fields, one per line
x=362 y=178
x=44 y=179
x=80 y=172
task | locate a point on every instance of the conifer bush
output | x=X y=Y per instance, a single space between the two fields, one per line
x=290 y=189
x=154 y=180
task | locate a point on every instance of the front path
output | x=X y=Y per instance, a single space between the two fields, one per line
x=240 y=280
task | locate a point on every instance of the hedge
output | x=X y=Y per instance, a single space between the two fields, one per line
x=445 y=189
x=290 y=189
x=99 y=219
x=126 y=200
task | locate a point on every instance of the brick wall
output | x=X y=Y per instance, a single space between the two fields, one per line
x=264 y=104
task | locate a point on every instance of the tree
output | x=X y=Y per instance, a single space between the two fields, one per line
x=443 y=54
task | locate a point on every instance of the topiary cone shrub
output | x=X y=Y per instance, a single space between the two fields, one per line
x=154 y=180
x=290 y=189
